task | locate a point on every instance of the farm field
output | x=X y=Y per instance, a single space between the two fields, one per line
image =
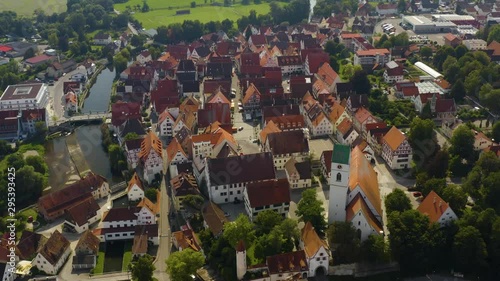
x=164 y=12
x=27 y=7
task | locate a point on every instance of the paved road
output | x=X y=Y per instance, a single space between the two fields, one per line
x=56 y=95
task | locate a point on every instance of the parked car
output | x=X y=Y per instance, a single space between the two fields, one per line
x=240 y=129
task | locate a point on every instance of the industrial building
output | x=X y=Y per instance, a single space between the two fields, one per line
x=429 y=70
x=421 y=24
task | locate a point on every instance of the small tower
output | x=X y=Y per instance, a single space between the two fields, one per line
x=241 y=260
x=339 y=181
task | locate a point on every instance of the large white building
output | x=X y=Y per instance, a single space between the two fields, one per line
x=25 y=96
x=267 y=195
x=227 y=177
x=354 y=193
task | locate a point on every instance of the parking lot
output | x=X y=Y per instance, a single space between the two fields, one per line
x=434 y=37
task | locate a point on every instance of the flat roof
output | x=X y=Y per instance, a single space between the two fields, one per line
x=21 y=91
x=450 y=17
x=417 y=20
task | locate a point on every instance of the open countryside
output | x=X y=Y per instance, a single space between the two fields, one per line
x=27 y=7
x=164 y=12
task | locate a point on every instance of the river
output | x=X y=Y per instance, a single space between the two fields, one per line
x=87 y=154
x=100 y=93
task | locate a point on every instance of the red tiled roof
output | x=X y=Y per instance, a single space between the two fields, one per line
x=38 y=59
x=287 y=262
x=55 y=247
x=267 y=193
x=372 y=52
x=433 y=206
x=445 y=105
x=123 y=111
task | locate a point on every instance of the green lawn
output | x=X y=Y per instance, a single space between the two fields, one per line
x=127 y=255
x=27 y=7
x=163 y=13
x=99 y=267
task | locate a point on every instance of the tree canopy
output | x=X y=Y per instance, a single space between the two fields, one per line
x=143 y=268
x=240 y=229
x=181 y=265
x=397 y=201
x=310 y=209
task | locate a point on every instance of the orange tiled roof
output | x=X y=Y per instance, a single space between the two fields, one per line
x=394 y=138
x=433 y=206
x=218 y=96
x=135 y=180
x=357 y=205
x=362 y=114
x=336 y=111
x=327 y=74
x=344 y=126
x=251 y=91
x=270 y=127
x=150 y=143
x=189 y=104
x=363 y=175
x=153 y=207
x=312 y=242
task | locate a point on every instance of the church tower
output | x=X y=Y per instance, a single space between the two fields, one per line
x=339 y=181
x=241 y=260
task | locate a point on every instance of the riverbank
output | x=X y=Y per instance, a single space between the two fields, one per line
x=84 y=95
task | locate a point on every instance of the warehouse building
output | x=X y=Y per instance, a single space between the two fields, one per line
x=421 y=24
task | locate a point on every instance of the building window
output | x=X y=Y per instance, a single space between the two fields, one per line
x=339 y=177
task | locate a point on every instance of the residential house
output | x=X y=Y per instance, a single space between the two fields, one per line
x=226 y=185
x=493 y=50
x=131 y=126
x=384 y=9
x=393 y=72
x=447 y=127
x=80 y=216
x=316 y=250
x=123 y=111
x=165 y=125
x=362 y=117
x=183 y=184
x=148 y=211
x=290 y=65
x=285 y=145
x=346 y=134
x=270 y=127
x=277 y=197
x=53 y=254
x=144 y=57
x=313 y=61
x=363 y=145
x=315 y=117
x=368 y=59
x=213 y=218
x=437 y=209
x=396 y=150
x=86 y=251
x=39 y=60
x=211 y=144
x=29 y=245
x=374 y=135
x=299 y=174
x=186 y=239
x=102 y=38
x=53 y=205
x=70 y=103
x=452 y=40
x=58 y=69
x=151 y=157
x=337 y=114
x=140 y=244
x=251 y=103
x=132 y=149
x=329 y=76
x=175 y=153
x=356 y=101
x=135 y=189
x=287 y=265
x=445 y=109
x=481 y=141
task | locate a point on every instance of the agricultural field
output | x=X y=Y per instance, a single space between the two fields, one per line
x=27 y=7
x=164 y=12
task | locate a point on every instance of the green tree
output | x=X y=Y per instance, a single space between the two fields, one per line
x=181 y=265
x=193 y=4
x=143 y=269
x=426 y=52
x=240 y=229
x=469 y=250
x=421 y=130
x=360 y=82
x=310 y=209
x=29 y=185
x=344 y=241
x=462 y=142
x=131 y=136
x=402 y=6
x=495 y=132
x=53 y=40
x=494 y=34
x=120 y=63
x=145 y=7
x=438 y=185
x=460 y=51
x=374 y=249
x=269 y=244
x=397 y=201
x=193 y=201
x=265 y=222
x=458 y=91
x=245 y=2
x=415 y=243
x=151 y=194
x=456 y=198
x=438 y=164
x=138 y=40
x=37 y=163
x=16 y=161
x=473 y=83
x=291 y=234
x=5 y=148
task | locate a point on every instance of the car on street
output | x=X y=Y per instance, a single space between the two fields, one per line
x=240 y=129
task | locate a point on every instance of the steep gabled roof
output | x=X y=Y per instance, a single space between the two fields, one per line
x=184 y=184
x=288 y=142
x=336 y=111
x=362 y=114
x=150 y=143
x=269 y=128
x=433 y=206
x=29 y=244
x=88 y=241
x=146 y=203
x=82 y=212
x=214 y=217
x=359 y=205
x=344 y=126
x=312 y=242
x=287 y=262
x=394 y=138
x=173 y=147
x=135 y=180
x=327 y=74
x=269 y=192
x=251 y=91
x=363 y=175
x=55 y=247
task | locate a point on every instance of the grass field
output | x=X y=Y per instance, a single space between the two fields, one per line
x=163 y=12
x=27 y=7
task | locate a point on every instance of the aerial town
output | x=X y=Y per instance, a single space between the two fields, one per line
x=266 y=141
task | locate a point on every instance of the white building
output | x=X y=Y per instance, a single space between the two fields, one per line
x=355 y=192
x=437 y=209
x=267 y=195
x=298 y=174
x=316 y=250
x=226 y=178
x=79 y=217
x=475 y=44
x=396 y=150
x=53 y=254
x=135 y=189
x=151 y=156
x=287 y=144
x=24 y=96
x=372 y=57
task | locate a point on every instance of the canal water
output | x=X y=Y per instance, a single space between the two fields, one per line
x=82 y=151
x=100 y=93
